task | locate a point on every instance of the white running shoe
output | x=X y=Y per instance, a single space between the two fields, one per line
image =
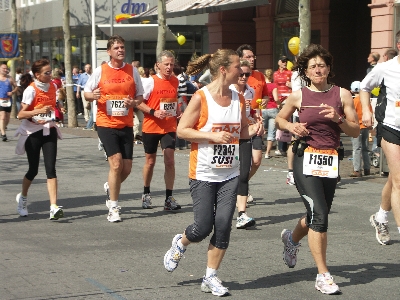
x=214 y=285
x=325 y=284
x=289 y=250
x=173 y=255
x=244 y=221
x=250 y=198
x=382 y=231
x=290 y=179
x=22 y=205
x=56 y=212
x=107 y=191
x=146 y=201
x=114 y=215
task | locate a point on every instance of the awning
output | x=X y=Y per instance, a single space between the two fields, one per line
x=180 y=8
x=136 y=32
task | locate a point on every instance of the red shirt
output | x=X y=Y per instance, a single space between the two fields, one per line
x=280 y=79
x=268 y=88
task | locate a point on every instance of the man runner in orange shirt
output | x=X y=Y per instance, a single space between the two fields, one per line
x=117 y=88
x=161 y=111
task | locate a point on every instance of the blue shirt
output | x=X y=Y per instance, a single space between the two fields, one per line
x=83 y=79
x=75 y=79
x=5 y=87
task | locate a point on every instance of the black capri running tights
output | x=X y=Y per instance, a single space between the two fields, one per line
x=245 y=154
x=213 y=206
x=317 y=194
x=48 y=143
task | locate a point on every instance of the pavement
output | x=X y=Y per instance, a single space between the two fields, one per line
x=83 y=256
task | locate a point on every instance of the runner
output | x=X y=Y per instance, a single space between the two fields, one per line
x=7 y=88
x=214 y=121
x=325 y=111
x=161 y=111
x=38 y=131
x=257 y=82
x=117 y=88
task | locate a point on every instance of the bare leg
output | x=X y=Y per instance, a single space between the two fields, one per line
x=26 y=183
x=241 y=203
x=148 y=168
x=386 y=194
x=114 y=175
x=257 y=158
x=300 y=231
x=269 y=147
x=214 y=257
x=169 y=173
x=318 y=242
x=290 y=157
x=392 y=153
x=52 y=189
x=3 y=122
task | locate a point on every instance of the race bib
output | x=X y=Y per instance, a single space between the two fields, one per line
x=223 y=156
x=397 y=113
x=5 y=103
x=50 y=116
x=169 y=105
x=320 y=163
x=115 y=106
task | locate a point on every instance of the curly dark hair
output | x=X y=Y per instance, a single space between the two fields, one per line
x=310 y=52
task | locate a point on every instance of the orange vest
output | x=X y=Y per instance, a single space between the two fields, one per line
x=43 y=98
x=257 y=82
x=163 y=91
x=115 y=84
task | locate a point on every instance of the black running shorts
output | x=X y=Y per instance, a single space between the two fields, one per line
x=117 y=141
x=151 y=140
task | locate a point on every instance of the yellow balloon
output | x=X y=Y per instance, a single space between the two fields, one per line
x=375 y=91
x=181 y=39
x=294 y=45
x=73 y=49
x=9 y=63
x=59 y=56
x=289 y=65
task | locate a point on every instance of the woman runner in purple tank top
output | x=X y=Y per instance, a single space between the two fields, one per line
x=325 y=111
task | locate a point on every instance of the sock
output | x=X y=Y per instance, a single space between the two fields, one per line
x=168 y=193
x=241 y=213
x=398 y=228
x=146 y=190
x=180 y=245
x=290 y=240
x=53 y=205
x=326 y=274
x=211 y=272
x=113 y=203
x=381 y=216
x=23 y=197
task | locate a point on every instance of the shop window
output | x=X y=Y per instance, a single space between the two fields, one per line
x=284 y=31
x=287 y=7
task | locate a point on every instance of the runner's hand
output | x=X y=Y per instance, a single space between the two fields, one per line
x=298 y=129
x=221 y=137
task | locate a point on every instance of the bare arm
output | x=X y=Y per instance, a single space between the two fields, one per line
x=365 y=103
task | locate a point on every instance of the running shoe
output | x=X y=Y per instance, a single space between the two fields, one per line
x=107 y=191
x=22 y=205
x=289 y=250
x=280 y=153
x=267 y=156
x=290 y=178
x=56 y=212
x=146 y=201
x=4 y=138
x=250 y=198
x=173 y=255
x=382 y=231
x=325 y=284
x=213 y=284
x=114 y=215
x=100 y=146
x=244 y=221
x=171 y=204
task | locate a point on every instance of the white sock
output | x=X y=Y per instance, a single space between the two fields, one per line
x=398 y=228
x=327 y=274
x=113 y=203
x=210 y=272
x=180 y=245
x=381 y=216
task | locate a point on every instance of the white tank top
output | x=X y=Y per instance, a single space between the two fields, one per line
x=217 y=162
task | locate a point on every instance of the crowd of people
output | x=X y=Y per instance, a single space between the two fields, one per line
x=224 y=122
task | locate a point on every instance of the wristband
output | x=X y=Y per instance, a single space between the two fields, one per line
x=341 y=120
x=152 y=111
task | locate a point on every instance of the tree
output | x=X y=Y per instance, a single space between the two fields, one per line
x=162 y=26
x=72 y=120
x=304 y=21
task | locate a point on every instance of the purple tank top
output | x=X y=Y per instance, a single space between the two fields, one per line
x=324 y=133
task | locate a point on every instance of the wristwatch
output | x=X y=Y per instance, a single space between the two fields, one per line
x=341 y=119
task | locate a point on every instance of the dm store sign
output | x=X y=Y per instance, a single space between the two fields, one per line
x=133 y=7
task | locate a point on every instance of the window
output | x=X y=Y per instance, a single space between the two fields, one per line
x=5 y=5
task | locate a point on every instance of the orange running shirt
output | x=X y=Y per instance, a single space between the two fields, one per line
x=163 y=96
x=115 y=84
x=257 y=82
x=43 y=98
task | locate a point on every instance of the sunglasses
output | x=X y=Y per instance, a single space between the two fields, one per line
x=245 y=75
